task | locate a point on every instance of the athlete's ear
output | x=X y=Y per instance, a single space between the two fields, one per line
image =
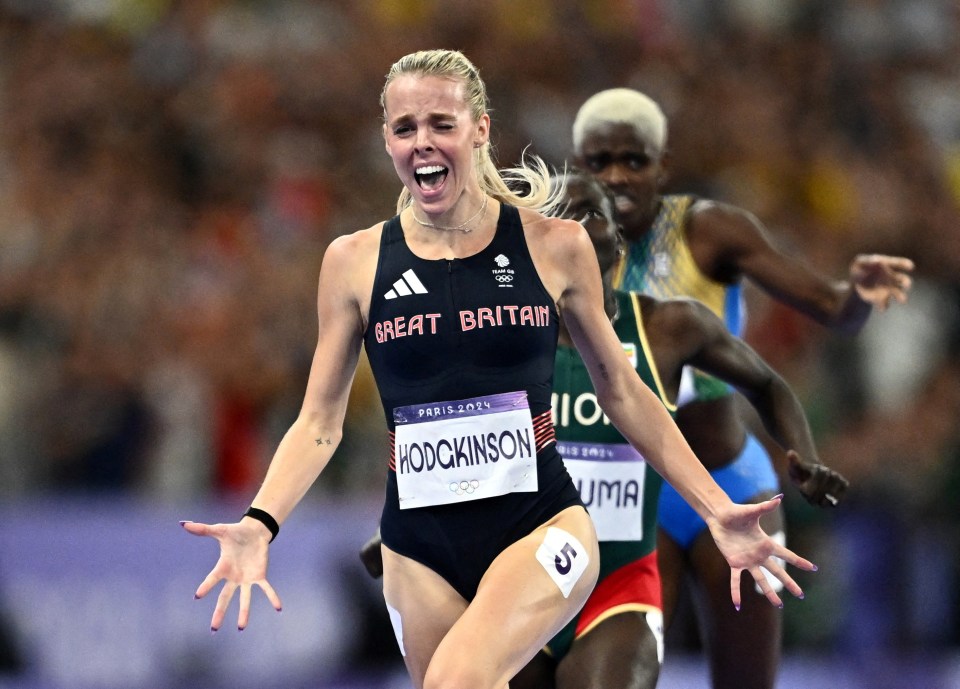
x=663 y=174
x=482 y=135
x=386 y=140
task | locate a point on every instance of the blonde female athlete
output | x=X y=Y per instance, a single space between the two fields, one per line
x=487 y=548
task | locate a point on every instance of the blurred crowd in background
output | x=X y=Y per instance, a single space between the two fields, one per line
x=172 y=171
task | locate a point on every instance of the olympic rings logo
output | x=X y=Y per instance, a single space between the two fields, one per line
x=464 y=487
x=504 y=278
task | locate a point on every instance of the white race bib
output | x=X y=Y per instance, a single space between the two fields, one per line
x=610 y=478
x=448 y=452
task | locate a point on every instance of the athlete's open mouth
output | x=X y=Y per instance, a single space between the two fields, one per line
x=430 y=176
x=623 y=203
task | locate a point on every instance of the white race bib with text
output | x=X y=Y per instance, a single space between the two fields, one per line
x=610 y=478
x=461 y=450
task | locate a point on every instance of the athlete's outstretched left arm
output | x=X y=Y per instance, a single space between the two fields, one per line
x=642 y=419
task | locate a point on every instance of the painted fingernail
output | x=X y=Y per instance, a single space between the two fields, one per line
x=213 y=630
x=196 y=597
x=779 y=496
x=781 y=605
x=183 y=523
x=279 y=610
x=240 y=629
x=801 y=596
x=815 y=569
x=737 y=607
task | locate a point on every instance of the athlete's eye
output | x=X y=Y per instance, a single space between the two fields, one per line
x=596 y=163
x=592 y=214
x=638 y=162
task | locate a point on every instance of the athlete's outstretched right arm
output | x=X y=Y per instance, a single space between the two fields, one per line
x=642 y=419
x=309 y=443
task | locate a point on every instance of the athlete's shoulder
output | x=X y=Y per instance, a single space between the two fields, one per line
x=723 y=237
x=557 y=233
x=710 y=213
x=560 y=250
x=350 y=264
x=356 y=245
x=676 y=315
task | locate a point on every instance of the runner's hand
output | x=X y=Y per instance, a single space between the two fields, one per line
x=747 y=547
x=243 y=563
x=372 y=557
x=879 y=279
x=820 y=485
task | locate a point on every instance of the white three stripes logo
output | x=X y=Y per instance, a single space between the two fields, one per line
x=408 y=283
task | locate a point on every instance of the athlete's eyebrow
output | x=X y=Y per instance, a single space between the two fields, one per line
x=432 y=117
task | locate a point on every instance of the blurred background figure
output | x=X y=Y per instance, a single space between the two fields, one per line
x=171 y=171
x=682 y=245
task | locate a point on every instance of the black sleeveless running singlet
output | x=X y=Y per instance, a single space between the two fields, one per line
x=447 y=330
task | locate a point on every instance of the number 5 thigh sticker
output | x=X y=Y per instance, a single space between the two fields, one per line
x=564 y=557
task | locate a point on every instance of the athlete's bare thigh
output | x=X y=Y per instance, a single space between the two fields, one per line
x=519 y=606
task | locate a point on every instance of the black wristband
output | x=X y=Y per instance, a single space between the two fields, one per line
x=265 y=519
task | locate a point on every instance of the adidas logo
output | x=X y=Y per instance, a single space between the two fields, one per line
x=408 y=283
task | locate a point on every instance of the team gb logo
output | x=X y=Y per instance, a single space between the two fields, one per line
x=503 y=274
